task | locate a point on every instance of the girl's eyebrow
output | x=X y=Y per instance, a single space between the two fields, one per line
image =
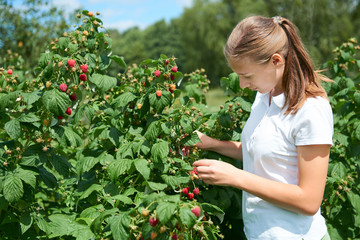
x=243 y=73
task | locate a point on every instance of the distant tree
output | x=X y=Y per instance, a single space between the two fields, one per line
x=25 y=29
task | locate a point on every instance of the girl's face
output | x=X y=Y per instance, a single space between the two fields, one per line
x=263 y=77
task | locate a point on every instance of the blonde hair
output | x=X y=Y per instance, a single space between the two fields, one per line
x=259 y=38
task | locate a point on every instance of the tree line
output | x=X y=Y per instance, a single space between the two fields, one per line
x=196 y=38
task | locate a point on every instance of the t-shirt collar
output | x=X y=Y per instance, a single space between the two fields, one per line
x=278 y=100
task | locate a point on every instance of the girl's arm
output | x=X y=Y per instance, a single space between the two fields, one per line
x=227 y=148
x=304 y=198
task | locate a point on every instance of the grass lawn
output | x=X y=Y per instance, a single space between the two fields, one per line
x=216 y=97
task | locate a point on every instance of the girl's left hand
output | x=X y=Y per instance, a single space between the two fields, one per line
x=216 y=172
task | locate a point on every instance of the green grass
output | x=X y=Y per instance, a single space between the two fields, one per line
x=216 y=97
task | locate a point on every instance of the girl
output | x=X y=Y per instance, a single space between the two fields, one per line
x=286 y=140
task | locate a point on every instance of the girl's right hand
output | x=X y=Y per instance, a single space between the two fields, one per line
x=206 y=141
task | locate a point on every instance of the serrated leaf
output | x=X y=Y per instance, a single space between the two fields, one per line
x=159 y=103
x=175 y=181
x=26 y=221
x=27 y=176
x=86 y=163
x=48 y=178
x=119 y=226
x=225 y=120
x=56 y=101
x=153 y=131
x=13 y=188
x=60 y=164
x=190 y=140
x=29 y=118
x=120 y=61
x=165 y=210
x=160 y=151
x=91 y=189
x=103 y=82
x=125 y=150
x=117 y=167
x=157 y=186
x=185 y=122
x=122 y=198
x=187 y=217
x=124 y=99
x=13 y=128
x=74 y=139
x=142 y=166
x=213 y=210
x=31 y=97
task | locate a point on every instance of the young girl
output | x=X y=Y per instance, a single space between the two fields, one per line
x=286 y=140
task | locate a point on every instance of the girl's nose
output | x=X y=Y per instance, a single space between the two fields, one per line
x=244 y=84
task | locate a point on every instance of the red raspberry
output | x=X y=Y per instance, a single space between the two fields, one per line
x=190 y=196
x=73 y=96
x=195 y=170
x=63 y=87
x=83 y=77
x=10 y=71
x=174 y=236
x=153 y=221
x=166 y=62
x=71 y=63
x=84 y=68
x=157 y=73
x=158 y=93
x=172 y=77
x=196 y=191
x=60 y=117
x=192 y=173
x=68 y=111
x=174 y=69
x=185 y=191
x=196 y=211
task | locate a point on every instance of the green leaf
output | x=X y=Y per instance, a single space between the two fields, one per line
x=48 y=178
x=174 y=181
x=117 y=167
x=13 y=188
x=27 y=176
x=187 y=217
x=26 y=221
x=339 y=170
x=225 y=120
x=56 y=101
x=32 y=97
x=142 y=166
x=165 y=210
x=119 y=226
x=234 y=83
x=94 y=187
x=157 y=186
x=63 y=42
x=124 y=99
x=125 y=150
x=159 y=103
x=74 y=139
x=213 y=210
x=120 y=61
x=13 y=128
x=153 y=131
x=245 y=104
x=185 y=122
x=355 y=202
x=190 y=140
x=103 y=82
x=160 y=151
x=86 y=163
x=122 y=198
x=29 y=118
x=60 y=164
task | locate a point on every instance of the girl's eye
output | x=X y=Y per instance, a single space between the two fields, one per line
x=247 y=77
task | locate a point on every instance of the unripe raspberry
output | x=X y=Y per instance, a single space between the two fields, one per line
x=90 y=14
x=145 y=213
x=48 y=84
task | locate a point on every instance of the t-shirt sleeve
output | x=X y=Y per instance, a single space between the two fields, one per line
x=313 y=123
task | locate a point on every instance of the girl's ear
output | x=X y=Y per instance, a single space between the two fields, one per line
x=277 y=59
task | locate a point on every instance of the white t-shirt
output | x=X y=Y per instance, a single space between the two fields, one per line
x=269 y=141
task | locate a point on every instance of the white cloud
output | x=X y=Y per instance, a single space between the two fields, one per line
x=185 y=3
x=69 y=6
x=124 y=25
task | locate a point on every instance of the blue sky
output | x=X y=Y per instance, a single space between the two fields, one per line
x=123 y=14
